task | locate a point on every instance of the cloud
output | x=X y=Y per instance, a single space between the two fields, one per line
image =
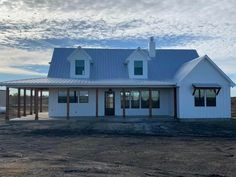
x=15 y=61
x=30 y=29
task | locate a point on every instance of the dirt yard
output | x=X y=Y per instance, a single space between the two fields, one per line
x=80 y=148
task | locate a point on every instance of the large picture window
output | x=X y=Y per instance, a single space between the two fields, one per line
x=144 y=99
x=138 y=67
x=127 y=99
x=210 y=97
x=135 y=99
x=199 y=96
x=155 y=99
x=79 y=67
x=62 y=96
x=83 y=97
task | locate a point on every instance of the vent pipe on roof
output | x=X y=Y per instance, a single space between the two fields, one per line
x=152 y=47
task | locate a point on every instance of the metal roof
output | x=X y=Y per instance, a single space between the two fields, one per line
x=206 y=85
x=108 y=64
x=59 y=82
x=108 y=69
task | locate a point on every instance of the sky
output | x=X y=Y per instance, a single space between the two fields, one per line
x=30 y=29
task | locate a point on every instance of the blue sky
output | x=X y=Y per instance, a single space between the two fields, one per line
x=29 y=30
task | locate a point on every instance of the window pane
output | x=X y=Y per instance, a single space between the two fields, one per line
x=134 y=99
x=199 y=97
x=62 y=96
x=211 y=97
x=79 y=67
x=155 y=99
x=127 y=96
x=138 y=67
x=83 y=97
x=145 y=99
x=73 y=97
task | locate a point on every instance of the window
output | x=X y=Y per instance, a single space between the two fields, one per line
x=144 y=99
x=138 y=68
x=62 y=96
x=199 y=97
x=155 y=99
x=83 y=97
x=210 y=97
x=79 y=67
x=134 y=99
x=127 y=96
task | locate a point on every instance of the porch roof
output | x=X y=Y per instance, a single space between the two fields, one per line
x=65 y=83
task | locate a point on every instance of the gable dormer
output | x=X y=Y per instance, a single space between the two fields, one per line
x=138 y=64
x=80 y=62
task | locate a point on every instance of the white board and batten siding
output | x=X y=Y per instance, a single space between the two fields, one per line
x=203 y=73
x=89 y=109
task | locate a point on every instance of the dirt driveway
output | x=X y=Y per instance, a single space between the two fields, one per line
x=98 y=148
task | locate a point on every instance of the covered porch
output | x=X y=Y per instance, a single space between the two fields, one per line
x=104 y=97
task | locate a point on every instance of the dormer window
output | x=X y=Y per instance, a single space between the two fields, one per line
x=80 y=62
x=79 y=67
x=138 y=68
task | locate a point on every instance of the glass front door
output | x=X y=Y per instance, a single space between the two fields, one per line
x=109 y=103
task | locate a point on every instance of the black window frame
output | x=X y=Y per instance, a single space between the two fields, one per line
x=127 y=99
x=133 y=102
x=211 y=101
x=63 y=99
x=199 y=98
x=156 y=103
x=144 y=103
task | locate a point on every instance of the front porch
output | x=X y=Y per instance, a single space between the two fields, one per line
x=78 y=98
x=110 y=102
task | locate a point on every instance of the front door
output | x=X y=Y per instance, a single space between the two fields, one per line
x=109 y=103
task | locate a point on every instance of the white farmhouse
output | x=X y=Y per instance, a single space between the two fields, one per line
x=131 y=82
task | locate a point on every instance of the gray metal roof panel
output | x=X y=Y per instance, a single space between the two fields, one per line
x=55 y=82
x=109 y=64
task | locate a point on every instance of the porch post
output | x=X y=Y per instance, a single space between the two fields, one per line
x=7 y=104
x=150 y=103
x=31 y=101
x=123 y=102
x=24 y=103
x=96 y=102
x=68 y=104
x=41 y=101
x=36 y=104
x=18 y=103
x=175 y=103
